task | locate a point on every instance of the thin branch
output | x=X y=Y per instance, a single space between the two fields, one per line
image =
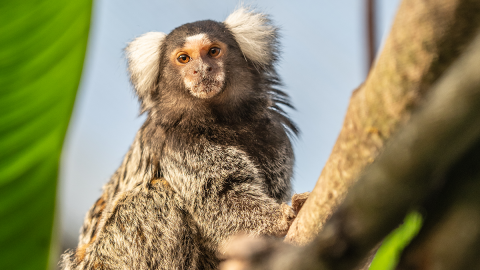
x=371 y=34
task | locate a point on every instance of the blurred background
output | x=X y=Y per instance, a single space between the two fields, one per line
x=325 y=57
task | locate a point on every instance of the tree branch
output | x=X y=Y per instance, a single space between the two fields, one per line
x=426 y=37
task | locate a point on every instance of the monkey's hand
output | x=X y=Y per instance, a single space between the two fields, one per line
x=298 y=200
x=289 y=213
x=288 y=216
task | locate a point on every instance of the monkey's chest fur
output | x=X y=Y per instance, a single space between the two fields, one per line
x=181 y=192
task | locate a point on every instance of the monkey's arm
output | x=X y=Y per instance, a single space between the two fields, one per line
x=242 y=208
x=225 y=192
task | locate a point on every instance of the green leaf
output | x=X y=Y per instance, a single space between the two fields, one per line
x=42 y=50
x=389 y=253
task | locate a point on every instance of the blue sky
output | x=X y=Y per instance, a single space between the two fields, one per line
x=323 y=61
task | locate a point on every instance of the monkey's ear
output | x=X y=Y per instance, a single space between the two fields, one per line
x=143 y=56
x=255 y=35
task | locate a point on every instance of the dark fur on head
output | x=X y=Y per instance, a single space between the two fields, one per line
x=200 y=169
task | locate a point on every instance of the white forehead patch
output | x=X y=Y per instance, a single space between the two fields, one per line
x=197 y=38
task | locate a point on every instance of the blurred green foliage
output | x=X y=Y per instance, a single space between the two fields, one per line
x=42 y=50
x=389 y=253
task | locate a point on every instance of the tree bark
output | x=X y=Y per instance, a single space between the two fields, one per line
x=426 y=37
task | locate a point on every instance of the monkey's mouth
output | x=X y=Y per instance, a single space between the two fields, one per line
x=206 y=87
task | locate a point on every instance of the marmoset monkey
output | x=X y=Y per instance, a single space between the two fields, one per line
x=212 y=159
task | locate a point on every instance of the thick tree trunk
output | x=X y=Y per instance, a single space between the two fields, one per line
x=426 y=37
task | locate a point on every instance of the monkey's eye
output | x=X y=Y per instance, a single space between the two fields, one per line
x=183 y=59
x=215 y=51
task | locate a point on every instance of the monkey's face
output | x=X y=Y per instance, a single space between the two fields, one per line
x=204 y=67
x=200 y=61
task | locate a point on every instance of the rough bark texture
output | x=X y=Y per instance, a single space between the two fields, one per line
x=426 y=37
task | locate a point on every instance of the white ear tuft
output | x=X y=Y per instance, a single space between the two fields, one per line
x=143 y=56
x=255 y=35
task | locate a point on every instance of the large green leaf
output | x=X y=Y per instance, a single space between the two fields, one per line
x=42 y=49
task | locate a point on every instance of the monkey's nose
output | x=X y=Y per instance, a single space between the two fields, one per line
x=202 y=70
